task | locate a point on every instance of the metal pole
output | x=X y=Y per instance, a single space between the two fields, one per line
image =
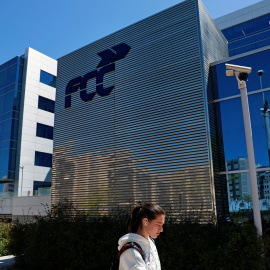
x=261 y=88
x=22 y=167
x=251 y=159
x=265 y=114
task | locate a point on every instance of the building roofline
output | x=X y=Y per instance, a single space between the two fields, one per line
x=242 y=15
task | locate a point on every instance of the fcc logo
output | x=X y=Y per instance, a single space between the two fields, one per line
x=106 y=65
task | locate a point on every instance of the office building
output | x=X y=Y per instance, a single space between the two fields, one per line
x=238 y=185
x=131 y=117
x=27 y=96
x=246 y=29
x=144 y=114
x=248 y=34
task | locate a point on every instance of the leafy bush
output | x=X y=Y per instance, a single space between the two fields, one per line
x=4 y=237
x=193 y=246
x=67 y=239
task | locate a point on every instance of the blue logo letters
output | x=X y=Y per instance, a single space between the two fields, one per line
x=108 y=57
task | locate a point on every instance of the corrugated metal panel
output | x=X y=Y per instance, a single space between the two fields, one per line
x=147 y=140
x=214 y=46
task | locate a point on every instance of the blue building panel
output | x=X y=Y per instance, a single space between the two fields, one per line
x=229 y=133
x=249 y=35
x=11 y=74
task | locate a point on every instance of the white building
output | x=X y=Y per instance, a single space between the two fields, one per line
x=27 y=90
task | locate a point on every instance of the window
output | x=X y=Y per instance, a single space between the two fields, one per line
x=47 y=78
x=46 y=104
x=43 y=159
x=249 y=35
x=44 y=131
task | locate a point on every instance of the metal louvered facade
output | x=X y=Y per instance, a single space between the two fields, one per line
x=149 y=139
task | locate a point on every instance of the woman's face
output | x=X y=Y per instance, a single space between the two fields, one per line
x=155 y=227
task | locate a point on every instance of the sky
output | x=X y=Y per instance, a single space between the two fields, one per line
x=58 y=27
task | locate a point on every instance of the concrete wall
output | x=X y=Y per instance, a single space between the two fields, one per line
x=5 y=207
x=26 y=207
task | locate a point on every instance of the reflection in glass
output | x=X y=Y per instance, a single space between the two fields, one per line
x=103 y=179
x=44 y=131
x=47 y=78
x=239 y=191
x=227 y=86
x=10 y=87
x=46 y=104
x=233 y=131
x=259 y=114
x=252 y=34
x=43 y=159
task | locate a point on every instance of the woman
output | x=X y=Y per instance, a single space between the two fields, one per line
x=144 y=225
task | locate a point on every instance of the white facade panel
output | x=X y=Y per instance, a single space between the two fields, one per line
x=32 y=100
x=42 y=170
x=32 y=82
x=43 y=148
x=40 y=176
x=30 y=116
x=29 y=123
x=29 y=153
x=44 y=120
x=27 y=146
x=29 y=131
x=42 y=141
x=47 y=94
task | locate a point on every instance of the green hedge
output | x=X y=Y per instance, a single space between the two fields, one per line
x=81 y=242
x=4 y=237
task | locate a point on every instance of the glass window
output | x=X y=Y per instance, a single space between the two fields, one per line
x=240 y=196
x=46 y=104
x=6 y=130
x=43 y=159
x=44 y=131
x=4 y=159
x=9 y=63
x=257 y=29
x=260 y=127
x=7 y=159
x=10 y=87
x=233 y=131
x=9 y=100
x=8 y=144
x=47 y=78
x=8 y=76
x=227 y=86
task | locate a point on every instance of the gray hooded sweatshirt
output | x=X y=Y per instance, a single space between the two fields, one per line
x=131 y=259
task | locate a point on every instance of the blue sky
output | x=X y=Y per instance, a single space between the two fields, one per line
x=58 y=27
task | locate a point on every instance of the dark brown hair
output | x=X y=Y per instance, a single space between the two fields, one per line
x=148 y=210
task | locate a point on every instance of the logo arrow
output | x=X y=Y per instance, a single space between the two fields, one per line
x=106 y=57
x=122 y=50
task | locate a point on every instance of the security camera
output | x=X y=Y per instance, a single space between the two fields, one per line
x=233 y=69
x=260 y=72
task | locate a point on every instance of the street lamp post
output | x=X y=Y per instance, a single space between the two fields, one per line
x=22 y=167
x=241 y=74
x=266 y=115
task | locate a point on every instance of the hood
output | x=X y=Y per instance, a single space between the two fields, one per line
x=132 y=237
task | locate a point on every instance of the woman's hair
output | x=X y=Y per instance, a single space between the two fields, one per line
x=148 y=210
